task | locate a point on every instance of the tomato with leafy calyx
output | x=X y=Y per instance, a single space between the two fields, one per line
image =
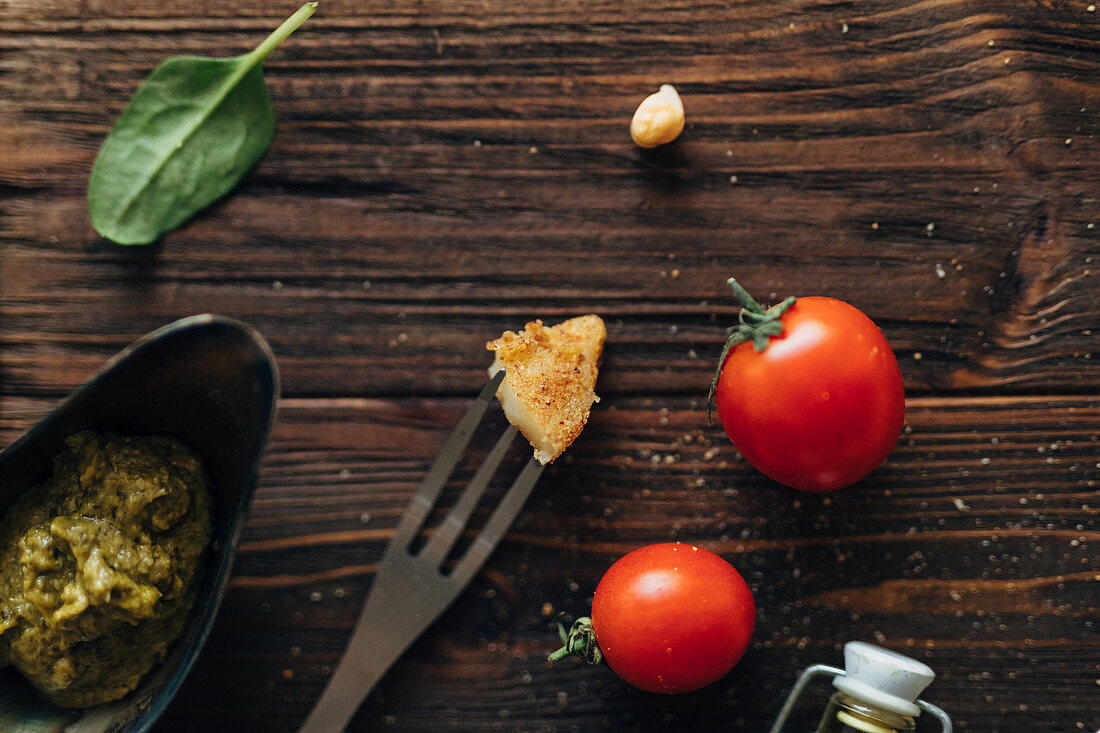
x=667 y=618
x=809 y=391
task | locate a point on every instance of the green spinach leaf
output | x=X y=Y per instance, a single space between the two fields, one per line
x=193 y=128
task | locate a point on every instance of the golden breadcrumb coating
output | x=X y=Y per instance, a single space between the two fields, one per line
x=550 y=380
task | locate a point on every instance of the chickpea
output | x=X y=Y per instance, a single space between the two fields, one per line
x=659 y=119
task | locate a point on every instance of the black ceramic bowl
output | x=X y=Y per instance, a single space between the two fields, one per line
x=209 y=381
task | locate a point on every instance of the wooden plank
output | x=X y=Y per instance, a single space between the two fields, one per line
x=446 y=170
x=972 y=548
x=442 y=175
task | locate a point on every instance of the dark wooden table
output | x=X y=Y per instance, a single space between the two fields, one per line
x=444 y=170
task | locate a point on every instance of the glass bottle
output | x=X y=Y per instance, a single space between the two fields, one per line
x=877 y=692
x=846 y=714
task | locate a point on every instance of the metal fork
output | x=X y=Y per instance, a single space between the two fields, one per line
x=411 y=591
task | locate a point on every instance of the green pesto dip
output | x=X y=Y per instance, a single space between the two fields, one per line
x=99 y=566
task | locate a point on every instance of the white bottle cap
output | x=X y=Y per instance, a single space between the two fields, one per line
x=883 y=678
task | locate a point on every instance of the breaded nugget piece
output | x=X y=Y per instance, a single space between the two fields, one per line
x=550 y=380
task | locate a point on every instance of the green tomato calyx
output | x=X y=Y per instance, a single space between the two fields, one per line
x=580 y=641
x=753 y=324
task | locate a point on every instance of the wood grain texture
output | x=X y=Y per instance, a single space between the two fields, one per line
x=444 y=170
x=972 y=548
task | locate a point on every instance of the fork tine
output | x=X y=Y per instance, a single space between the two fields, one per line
x=444 y=536
x=498 y=523
x=443 y=466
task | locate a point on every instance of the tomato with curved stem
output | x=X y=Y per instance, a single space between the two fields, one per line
x=667 y=618
x=810 y=392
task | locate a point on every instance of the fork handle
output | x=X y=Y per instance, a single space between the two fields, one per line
x=367 y=658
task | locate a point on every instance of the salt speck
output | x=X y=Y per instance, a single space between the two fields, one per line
x=940 y=272
x=843 y=27
x=961 y=505
x=315 y=596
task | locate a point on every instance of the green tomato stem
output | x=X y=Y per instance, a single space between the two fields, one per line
x=579 y=642
x=280 y=34
x=753 y=324
x=743 y=296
